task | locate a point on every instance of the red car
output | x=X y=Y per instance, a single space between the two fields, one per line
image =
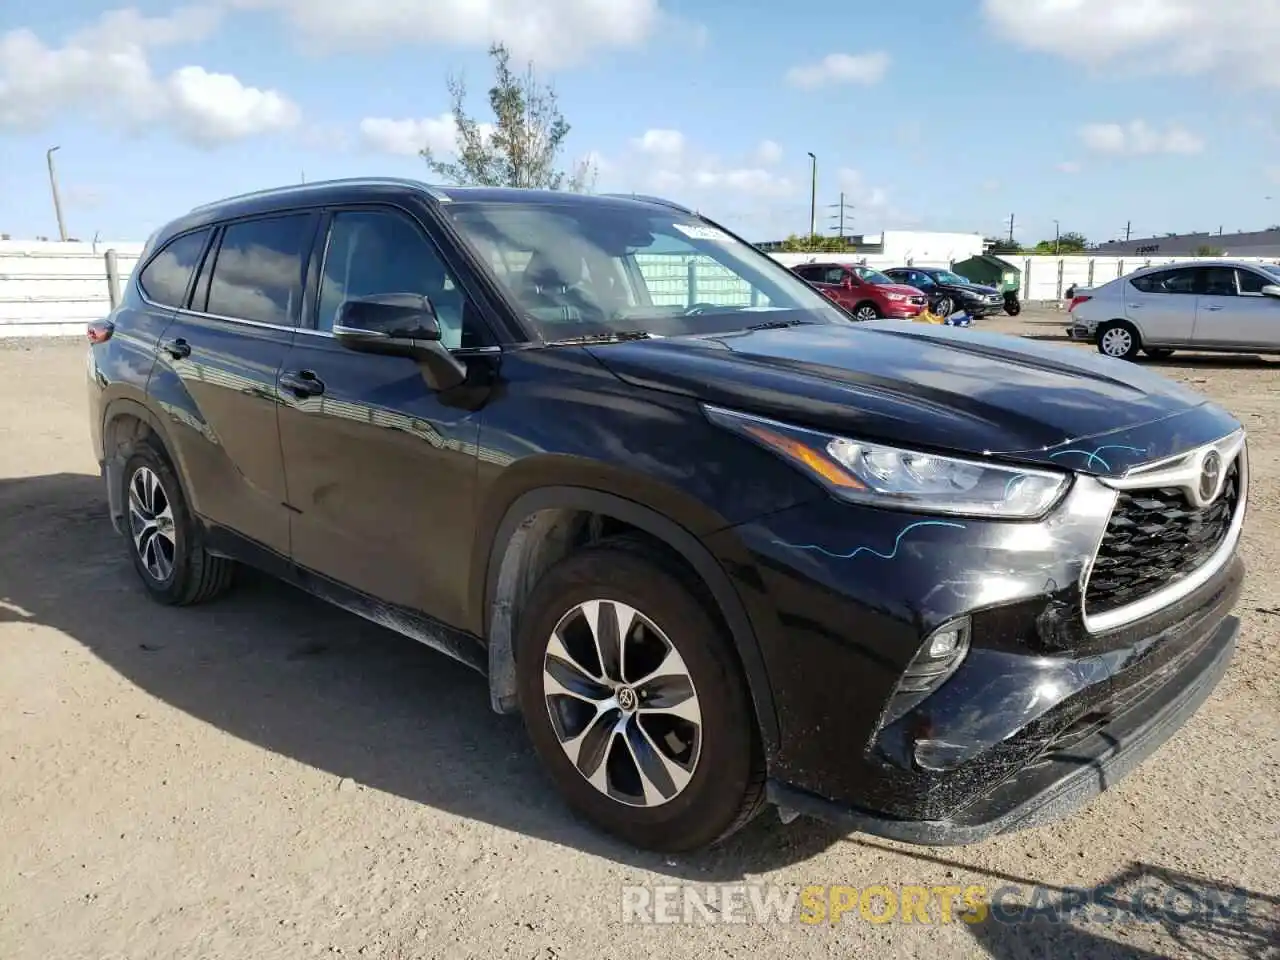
x=865 y=293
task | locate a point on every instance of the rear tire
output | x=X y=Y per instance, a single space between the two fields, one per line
x=1119 y=339
x=698 y=742
x=1012 y=308
x=163 y=539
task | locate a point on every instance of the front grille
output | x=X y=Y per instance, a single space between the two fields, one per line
x=1156 y=538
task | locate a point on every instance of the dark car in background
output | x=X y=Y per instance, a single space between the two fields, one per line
x=948 y=292
x=717 y=543
x=867 y=294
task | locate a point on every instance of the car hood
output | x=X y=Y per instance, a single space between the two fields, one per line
x=971 y=288
x=900 y=288
x=934 y=387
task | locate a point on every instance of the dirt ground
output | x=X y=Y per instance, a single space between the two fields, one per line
x=268 y=777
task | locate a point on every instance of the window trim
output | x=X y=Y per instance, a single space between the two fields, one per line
x=1197 y=284
x=136 y=275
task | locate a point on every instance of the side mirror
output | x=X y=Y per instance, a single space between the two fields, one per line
x=399 y=325
x=1271 y=290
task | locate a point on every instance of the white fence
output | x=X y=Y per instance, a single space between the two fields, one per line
x=50 y=289
x=53 y=289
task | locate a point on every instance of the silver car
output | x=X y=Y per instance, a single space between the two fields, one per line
x=1210 y=305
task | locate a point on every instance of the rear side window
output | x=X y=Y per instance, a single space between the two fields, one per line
x=833 y=275
x=258 y=273
x=1166 y=281
x=165 y=278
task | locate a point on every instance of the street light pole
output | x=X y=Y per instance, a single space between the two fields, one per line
x=1055 y=238
x=53 y=185
x=813 y=198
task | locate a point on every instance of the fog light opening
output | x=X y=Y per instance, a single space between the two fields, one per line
x=940 y=655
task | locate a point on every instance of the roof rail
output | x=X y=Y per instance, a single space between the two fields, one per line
x=296 y=188
x=645 y=198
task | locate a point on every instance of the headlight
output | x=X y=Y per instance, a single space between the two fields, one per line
x=972 y=295
x=885 y=476
x=896 y=297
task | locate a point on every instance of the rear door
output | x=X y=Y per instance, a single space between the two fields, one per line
x=1162 y=305
x=381 y=468
x=216 y=372
x=1231 y=311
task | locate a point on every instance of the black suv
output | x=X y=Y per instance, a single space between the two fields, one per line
x=716 y=542
x=948 y=292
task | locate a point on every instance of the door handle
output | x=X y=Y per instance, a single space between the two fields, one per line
x=303 y=383
x=179 y=349
x=1213 y=308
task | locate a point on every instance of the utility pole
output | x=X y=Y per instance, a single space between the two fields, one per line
x=839 y=216
x=53 y=186
x=1011 y=229
x=813 y=197
x=1128 y=229
x=1056 y=234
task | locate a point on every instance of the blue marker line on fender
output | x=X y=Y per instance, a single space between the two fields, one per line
x=1090 y=456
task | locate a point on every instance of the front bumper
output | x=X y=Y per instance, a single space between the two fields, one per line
x=1065 y=779
x=981 y=308
x=902 y=311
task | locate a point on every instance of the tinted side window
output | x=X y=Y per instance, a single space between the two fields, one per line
x=1219 y=282
x=258 y=273
x=1251 y=282
x=165 y=279
x=372 y=252
x=1166 y=281
x=809 y=273
x=833 y=275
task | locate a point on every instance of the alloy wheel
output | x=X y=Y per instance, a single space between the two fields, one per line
x=866 y=313
x=1117 y=342
x=151 y=523
x=622 y=703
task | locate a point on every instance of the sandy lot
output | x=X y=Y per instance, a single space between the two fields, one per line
x=267 y=777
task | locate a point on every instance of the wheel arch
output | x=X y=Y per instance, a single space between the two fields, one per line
x=125 y=423
x=539 y=527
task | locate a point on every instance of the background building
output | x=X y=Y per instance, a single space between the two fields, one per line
x=1259 y=243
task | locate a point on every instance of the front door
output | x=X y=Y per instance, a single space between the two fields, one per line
x=381 y=469
x=1231 y=311
x=216 y=369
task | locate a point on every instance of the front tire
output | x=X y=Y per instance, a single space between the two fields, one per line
x=945 y=307
x=866 y=311
x=163 y=539
x=634 y=700
x=1119 y=339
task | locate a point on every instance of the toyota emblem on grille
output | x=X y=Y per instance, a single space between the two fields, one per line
x=1210 y=478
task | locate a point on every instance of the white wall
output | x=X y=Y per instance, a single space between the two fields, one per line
x=49 y=288
x=53 y=289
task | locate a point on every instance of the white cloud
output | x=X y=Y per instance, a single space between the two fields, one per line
x=669 y=143
x=859 y=193
x=409 y=137
x=1068 y=166
x=860 y=68
x=104 y=71
x=551 y=32
x=1138 y=138
x=1273 y=174
x=1235 y=40
x=768 y=153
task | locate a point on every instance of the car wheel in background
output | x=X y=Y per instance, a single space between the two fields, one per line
x=944 y=307
x=634 y=700
x=164 y=540
x=866 y=311
x=1119 y=339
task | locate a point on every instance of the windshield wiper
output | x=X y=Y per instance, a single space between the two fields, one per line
x=779 y=324
x=613 y=337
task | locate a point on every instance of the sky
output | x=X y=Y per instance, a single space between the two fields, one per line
x=1079 y=115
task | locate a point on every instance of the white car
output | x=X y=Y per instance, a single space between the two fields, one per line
x=1215 y=305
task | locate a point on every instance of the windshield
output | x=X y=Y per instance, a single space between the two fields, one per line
x=867 y=275
x=588 y=269
x=1271 y=268
x=946 y=276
